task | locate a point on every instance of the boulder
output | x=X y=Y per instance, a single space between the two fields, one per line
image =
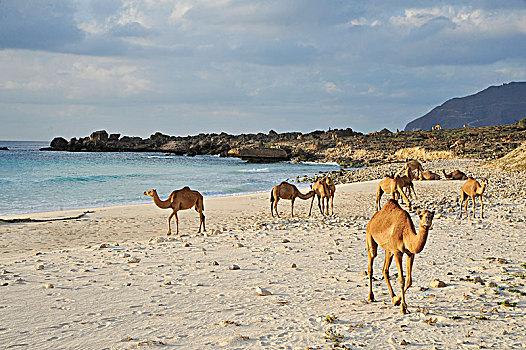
x=100 y=135
x=59 y=143
x=114 y=137
x=263 y=155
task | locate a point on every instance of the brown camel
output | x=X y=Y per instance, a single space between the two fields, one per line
x=473 y=189
x=393 y=186
x=455 y=175
x=429 y=175
x=286 y=191
x=414 y=165
x=332 y=191
x=323 y=193
x=393 y=229
x=182 y=199
x=407 y=182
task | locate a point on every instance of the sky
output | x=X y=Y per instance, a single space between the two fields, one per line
x=136 y=67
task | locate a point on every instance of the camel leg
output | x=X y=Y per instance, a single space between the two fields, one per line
x=372 y=248
x=401 y=281
x=413 y=188
x=466 y=207
x=201 y=221
x=292 y=207
x=176 y=223
x=169 y=219
x=481 y=208
x=326 y=201
x=271 y=210
x=332 y=205
x=385 y=272
x=319 y=204
x=401 y=192
x=473 y=200
x=461 y=203
x=409 y=281
x=311 y=203
x=276 y=206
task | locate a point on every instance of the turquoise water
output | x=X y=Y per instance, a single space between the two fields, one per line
x=37 y=181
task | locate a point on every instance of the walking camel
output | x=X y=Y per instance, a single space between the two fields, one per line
x=473 y=189
x=182 y=199
x=394 y=187
x=392 y=229
x=286 y=191
x=407 y=182
x=455 y=175
x=322 y=192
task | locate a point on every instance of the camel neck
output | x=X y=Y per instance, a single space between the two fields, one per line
x=160 y=203
x=416 y=241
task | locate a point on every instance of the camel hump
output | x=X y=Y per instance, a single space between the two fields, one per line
x=186 y=188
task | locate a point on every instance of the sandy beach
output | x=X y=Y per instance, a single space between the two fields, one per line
x=113 y=279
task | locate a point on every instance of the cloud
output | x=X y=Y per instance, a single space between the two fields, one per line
x=38 y=24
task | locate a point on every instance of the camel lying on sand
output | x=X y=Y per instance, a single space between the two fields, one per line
x=455 y=175
x=286 y=191
x=323 y=193
x=392 y=229
x=414 y=165
x=393 y=186
x=473 y=189
x=182 y=199
x=429 y=175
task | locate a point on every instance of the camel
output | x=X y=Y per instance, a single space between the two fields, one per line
x=332 y=191
x=455 y=175
x=286 y=191
x=429 y=175
x=393 y=186
x=414 y=165
x=393 y=229
x=473 y=189
x=407 y=182
x=182 y=199
x=323 y=193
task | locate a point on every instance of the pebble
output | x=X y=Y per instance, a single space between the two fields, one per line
x=233 y=267
x=126 y=255
x=49 y=286
x=40 y=267
x=134 y=260
x=214 y=263
x=436 y=283
x=284 y=240
x=239 y=245
x=293 y=266
x=263 y=291
x=478 y=279
x=186 y=245
x=103 y=245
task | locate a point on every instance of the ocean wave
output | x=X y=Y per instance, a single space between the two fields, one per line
x=253 y=170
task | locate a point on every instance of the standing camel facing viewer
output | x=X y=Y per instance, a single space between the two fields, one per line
x=182 y=199
x=286 y=191
x=392 y=229
x=323 y=193
x=473 y=189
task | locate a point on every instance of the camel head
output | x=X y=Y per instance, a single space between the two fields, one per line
x=425 y=217
x=150 y=193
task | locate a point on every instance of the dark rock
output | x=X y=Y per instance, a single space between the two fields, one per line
x=100 y=135
x=114 y=137
x=4 y=149
x=263 y=155
x=59 y=143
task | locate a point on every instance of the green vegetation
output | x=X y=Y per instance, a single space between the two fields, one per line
x=507 y=303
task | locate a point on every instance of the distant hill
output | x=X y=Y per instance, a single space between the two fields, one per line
x=496 y=105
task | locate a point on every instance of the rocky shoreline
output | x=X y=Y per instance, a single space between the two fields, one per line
x=344 y=146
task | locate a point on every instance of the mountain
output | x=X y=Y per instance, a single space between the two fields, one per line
x=496 y=105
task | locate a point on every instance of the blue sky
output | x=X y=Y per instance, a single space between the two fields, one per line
x=136 y=67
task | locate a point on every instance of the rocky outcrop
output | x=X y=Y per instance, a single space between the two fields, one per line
x=100 y=135
x=263 y=155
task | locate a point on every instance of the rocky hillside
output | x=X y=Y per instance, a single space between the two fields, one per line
x=496 y=105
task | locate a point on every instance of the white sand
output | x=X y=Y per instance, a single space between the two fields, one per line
x=175 y=297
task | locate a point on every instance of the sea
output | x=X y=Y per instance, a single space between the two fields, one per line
x=40 y=181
